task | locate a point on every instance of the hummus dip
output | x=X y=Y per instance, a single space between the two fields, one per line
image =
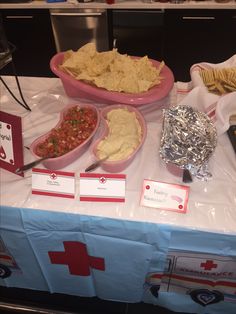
x=124 y=135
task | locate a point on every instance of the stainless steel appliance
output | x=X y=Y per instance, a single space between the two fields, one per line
x=73 y=28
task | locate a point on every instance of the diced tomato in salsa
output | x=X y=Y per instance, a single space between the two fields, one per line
x=76 y=126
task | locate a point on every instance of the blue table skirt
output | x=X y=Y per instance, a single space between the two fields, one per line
x=118 y=260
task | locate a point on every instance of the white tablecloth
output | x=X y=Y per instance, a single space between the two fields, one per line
x=211 y=206
x=121 y=251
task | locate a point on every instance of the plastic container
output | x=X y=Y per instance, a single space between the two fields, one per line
x=78 y=89
x=120 y=165
x=68 y=158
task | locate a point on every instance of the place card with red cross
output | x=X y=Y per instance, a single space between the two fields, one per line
x=101 y=187
x=53 y=183
x=11 y=147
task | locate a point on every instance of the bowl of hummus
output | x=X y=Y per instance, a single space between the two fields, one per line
x=123 y=135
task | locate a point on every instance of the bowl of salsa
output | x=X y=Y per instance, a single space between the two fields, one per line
x=70 y=138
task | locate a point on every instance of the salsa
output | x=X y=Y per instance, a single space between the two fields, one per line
x=76 y=126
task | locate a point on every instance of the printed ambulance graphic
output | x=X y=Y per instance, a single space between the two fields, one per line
x=207 y=278
x=7 y=262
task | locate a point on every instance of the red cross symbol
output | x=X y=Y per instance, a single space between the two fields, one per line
x=102 y=180
x=77 y=259
x=53 y=176
x=208 y=265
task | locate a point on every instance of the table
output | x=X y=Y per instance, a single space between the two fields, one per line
x=122 y=252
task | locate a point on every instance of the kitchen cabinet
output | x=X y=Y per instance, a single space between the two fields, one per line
x=180 y=37
x=139 y=32
x=31 y=32
x=193 y=36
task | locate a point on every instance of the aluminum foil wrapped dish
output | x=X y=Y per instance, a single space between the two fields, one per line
x=188 y=139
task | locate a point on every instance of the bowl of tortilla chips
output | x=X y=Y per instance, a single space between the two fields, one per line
x=110 y=77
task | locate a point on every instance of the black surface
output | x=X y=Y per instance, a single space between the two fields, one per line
x=30 y=31
x=80 y=305
x=139 y=32
x=232 y=136
x=179 y=37
x=193 y=36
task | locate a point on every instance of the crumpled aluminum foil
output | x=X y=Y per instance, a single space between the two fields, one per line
x=188 y=139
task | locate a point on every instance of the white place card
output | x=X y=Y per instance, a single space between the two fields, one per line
x=97 y=187
x=165 y=196
x=53 y=183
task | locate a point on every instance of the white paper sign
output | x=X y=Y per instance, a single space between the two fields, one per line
x=165 y=196
x=97 y=187
x=53 y=183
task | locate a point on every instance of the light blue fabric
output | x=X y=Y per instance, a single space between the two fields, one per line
x=128 y=250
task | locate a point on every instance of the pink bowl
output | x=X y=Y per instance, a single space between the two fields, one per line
x=120 y=165
x=64 y=160
x=79 y=89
